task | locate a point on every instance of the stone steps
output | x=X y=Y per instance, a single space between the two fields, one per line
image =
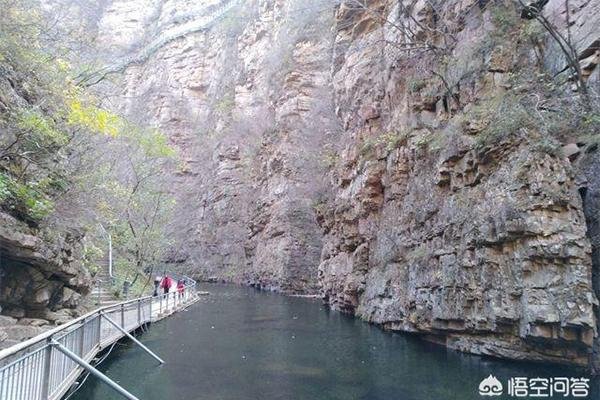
x=102 y=293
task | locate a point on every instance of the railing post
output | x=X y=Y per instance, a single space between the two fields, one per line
x=143 y=310
x=99 y=330
x=81 y=337
x=139 y=304
x=122 y=316
x=46 y=371
x=145 y=314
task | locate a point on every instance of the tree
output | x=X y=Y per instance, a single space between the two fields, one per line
x=564 y=42
x=68 y=162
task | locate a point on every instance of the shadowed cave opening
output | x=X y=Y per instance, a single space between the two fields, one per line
x=25 y=291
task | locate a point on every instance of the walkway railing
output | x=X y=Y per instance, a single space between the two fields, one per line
x=43 y=368
x=170 y=34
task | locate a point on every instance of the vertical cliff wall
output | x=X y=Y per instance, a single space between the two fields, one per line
x=384 y=153
x=450 y=219
x=243 y=90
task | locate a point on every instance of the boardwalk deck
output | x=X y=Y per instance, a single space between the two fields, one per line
x=37 y=370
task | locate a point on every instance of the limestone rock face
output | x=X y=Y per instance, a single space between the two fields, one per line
x=421 y=225
x=245 y=98
x=483 y=249
x=38 y=273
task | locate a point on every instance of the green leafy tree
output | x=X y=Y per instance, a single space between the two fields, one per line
x=67 y=161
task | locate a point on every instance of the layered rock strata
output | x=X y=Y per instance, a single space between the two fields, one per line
x=429 y=221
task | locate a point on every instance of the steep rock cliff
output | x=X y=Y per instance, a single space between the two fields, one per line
x=243 y=91
x=480 y=245
x=440 y=217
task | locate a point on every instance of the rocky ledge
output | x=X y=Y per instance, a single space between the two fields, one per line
x=42 y=279
x=16 y=330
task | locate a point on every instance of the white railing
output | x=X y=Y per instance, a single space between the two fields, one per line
x=38 y=369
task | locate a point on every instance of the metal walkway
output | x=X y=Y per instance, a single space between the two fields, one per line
x=46 y=366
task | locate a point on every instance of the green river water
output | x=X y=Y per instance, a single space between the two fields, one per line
x=241 y=344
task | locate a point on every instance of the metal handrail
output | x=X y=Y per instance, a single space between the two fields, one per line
x=45 y=367
x=45 y=335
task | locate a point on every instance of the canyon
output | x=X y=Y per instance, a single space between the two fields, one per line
x=372 y=153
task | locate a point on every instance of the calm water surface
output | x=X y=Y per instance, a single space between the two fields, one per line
x=239 y=344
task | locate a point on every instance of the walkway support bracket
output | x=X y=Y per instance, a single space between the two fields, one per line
x=130 y=336
x=85 y=365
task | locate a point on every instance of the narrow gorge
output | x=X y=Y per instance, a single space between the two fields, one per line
x=424 y=165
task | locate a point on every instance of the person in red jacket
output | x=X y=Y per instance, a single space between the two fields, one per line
x=180 y=287
x=166 y=284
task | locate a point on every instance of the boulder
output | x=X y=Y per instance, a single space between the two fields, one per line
x=70 y=298
x=40 y=269
x=7 y=321
x=33 y=321
x=22 y=332
x=571 y=151
x=56 y=317
x=15 y=312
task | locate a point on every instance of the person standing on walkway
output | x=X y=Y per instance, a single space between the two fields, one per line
x=157 y=281
x=166 y=284
x=180 y=287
